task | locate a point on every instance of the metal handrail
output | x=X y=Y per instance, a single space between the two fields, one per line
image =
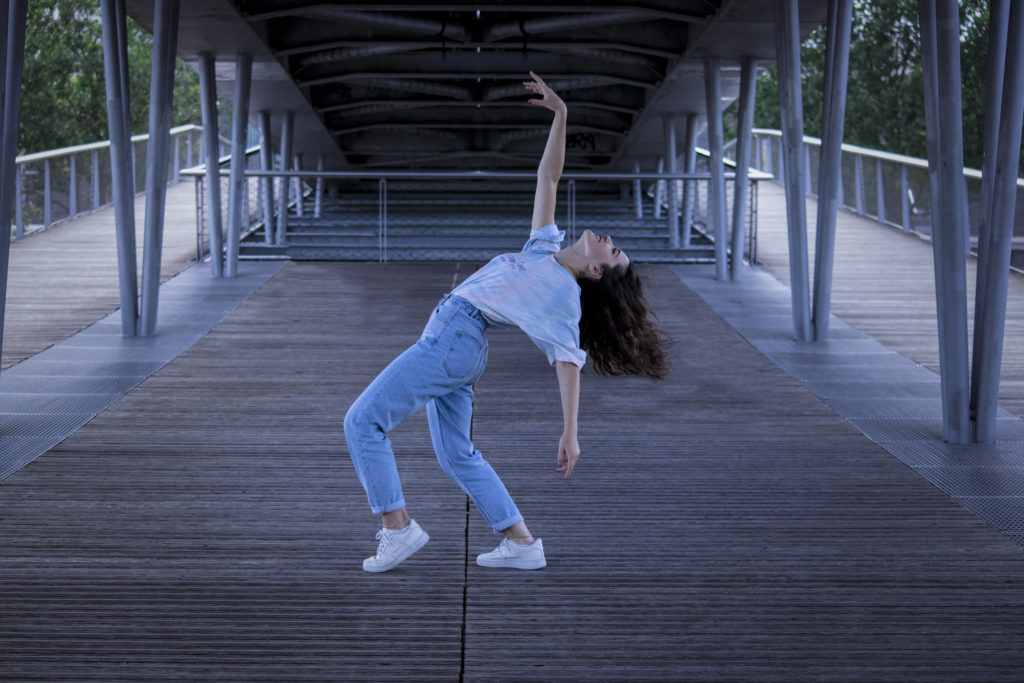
x=42 y=201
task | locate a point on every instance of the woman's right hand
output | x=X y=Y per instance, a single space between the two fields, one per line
x=549 y=98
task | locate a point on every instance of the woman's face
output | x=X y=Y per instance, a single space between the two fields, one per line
x=601 y=250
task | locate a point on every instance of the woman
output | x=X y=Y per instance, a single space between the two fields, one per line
x=570 y=302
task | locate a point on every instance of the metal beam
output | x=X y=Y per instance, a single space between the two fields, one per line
x=830 y=170
x=12 y=28
x=208 y=101
x=717 y=208
x=940 y=51
x=748 y=87
x=287 y=132
x=267 y=184
x=671 y=186
x=787 y=42
x=993 y=281
x=239 y=129
x=415 y=45
x=165 y=41
x=115 y=65
x=689 y=186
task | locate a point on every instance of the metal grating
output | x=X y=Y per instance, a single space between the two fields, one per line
x=892 y=400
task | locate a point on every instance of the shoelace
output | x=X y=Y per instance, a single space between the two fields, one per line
x=384 y=539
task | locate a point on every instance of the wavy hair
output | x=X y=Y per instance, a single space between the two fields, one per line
x=616 y=329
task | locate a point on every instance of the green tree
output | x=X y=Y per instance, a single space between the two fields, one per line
x=885 y=93
x=63 y=100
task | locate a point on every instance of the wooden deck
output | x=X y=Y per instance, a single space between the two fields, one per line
x=65 y=278
x=722 y=525
x=884 y=285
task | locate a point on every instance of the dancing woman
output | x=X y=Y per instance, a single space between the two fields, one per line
x=582 y=300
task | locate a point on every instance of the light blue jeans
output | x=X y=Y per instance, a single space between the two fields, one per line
x=437 y=371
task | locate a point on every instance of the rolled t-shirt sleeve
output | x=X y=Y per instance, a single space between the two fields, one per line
x=546 y=239
x=560 y=342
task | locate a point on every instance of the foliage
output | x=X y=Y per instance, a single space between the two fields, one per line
x=63 y=100
x=885 y=93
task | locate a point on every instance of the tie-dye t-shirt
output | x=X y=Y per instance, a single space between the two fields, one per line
x=532 y=291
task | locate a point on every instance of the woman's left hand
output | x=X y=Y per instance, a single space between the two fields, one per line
x=568 y=454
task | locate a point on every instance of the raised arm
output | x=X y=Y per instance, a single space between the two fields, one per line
x=550 y=169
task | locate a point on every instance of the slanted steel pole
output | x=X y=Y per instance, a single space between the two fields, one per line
x=940 y=51
x=748 y=87
x=239 y=124
x=121 y=168
x=716 y=195
x=689 y=186
x=165 y=40
x=208 y=100
x=787 y=48
x=671 y=186
x=830 y=170
x=267 y=183
x=286 y=157
x=12 y=29
x=990 y=312
x=659 y=189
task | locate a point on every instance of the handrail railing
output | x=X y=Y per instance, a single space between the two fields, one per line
x=52 y=186
x=384 y=199
x=898 y=194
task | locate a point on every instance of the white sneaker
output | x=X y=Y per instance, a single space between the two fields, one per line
x=396 y=548
x=511 y=555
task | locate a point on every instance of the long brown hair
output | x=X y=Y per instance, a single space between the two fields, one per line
x=616 y=329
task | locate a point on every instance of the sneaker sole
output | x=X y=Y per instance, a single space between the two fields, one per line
x=419 y=543
x=512 y=564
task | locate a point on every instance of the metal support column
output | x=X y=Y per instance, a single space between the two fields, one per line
x=689 y=186
x=940 y=51
x=12 y=28
x=787 y=49
x=748 y=87
x=830 y=169
x=287 y=126
x=266 y=182
x=993 y=280
x=239 y=125
x=638 y=200
x=659 y=189
x=671 y=186
x=717 y=210
x=165 y=40
x=115 y=65
x=208 y=100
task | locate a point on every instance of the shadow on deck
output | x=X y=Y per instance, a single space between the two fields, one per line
x=724 y=524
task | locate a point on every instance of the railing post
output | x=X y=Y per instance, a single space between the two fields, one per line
x=297 y=185
x=176 y=141
x=858 y=179
x=382 y=219
x=880 y=190
x=46 y=193
x=319 y=191
x=95 y=180
x=905 y=198
x=638 y=204
x=659 y=189
x=72 y=188
x=19 y=205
